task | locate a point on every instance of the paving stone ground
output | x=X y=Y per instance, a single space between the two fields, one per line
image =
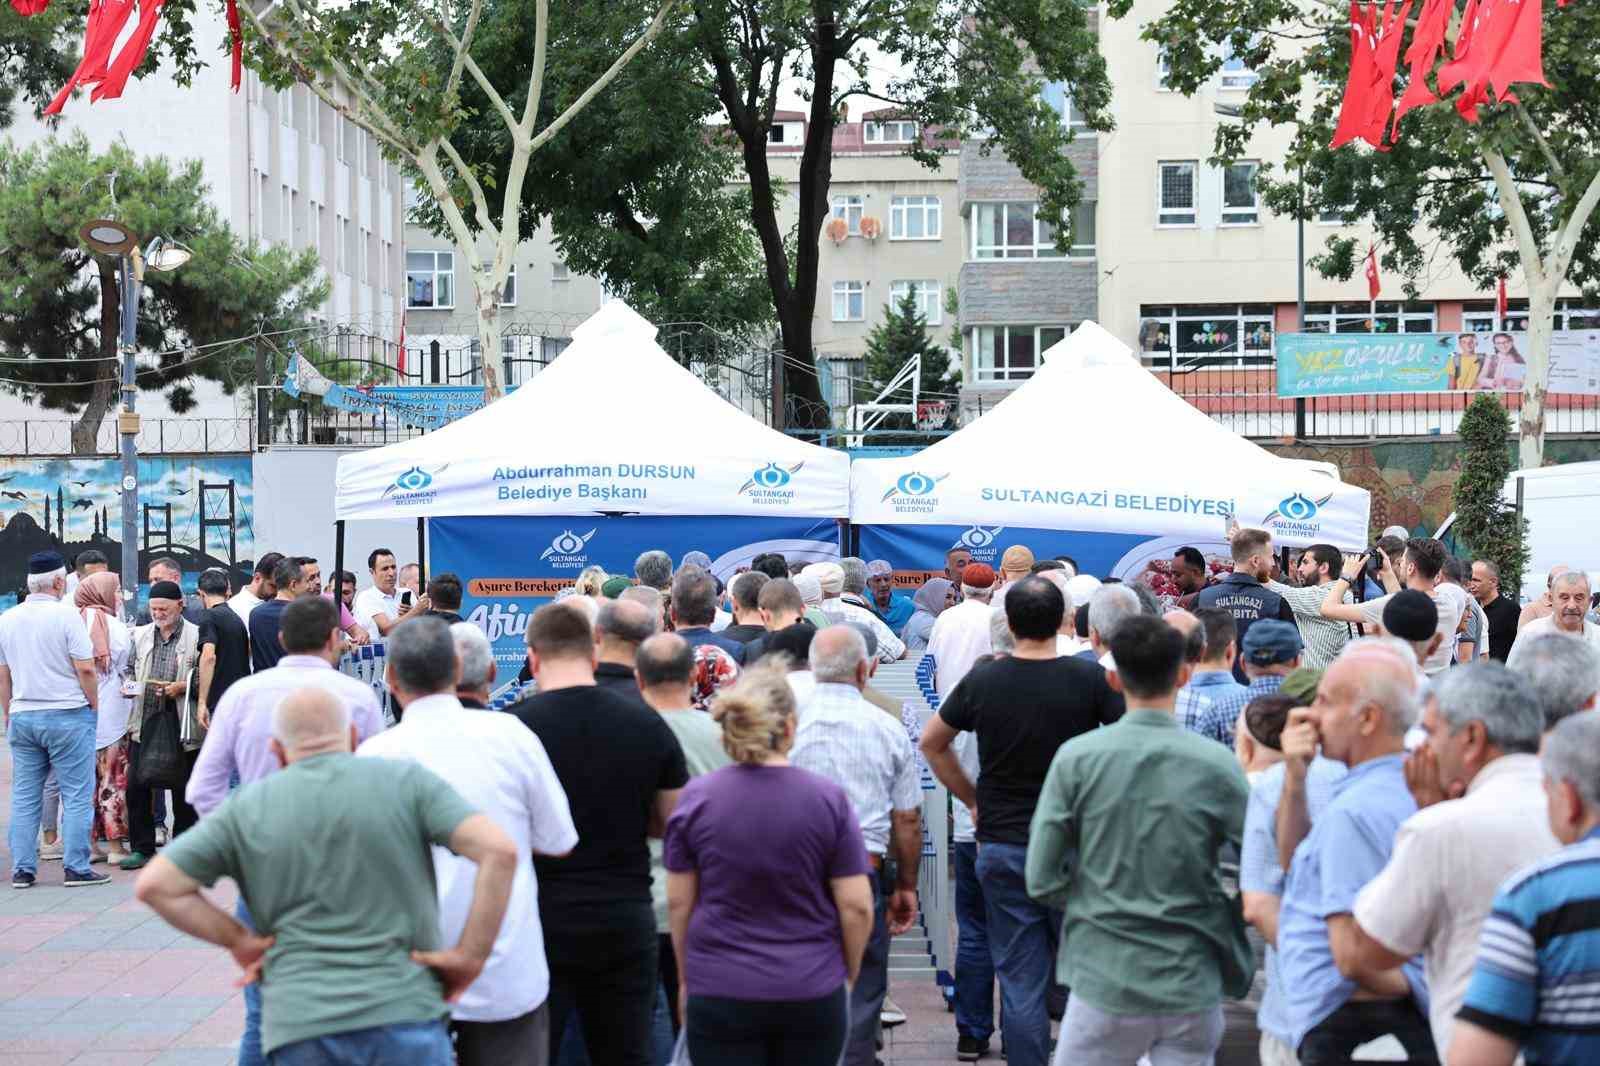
x=89 y=975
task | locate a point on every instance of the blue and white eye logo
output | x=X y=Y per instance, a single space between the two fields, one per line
x=1297 y=514
x=977 y=538
x=566 y=550
x=914 y=484
x=770 y=484
x=413 y=485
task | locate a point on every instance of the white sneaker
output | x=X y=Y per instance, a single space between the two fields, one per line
x=161 y=836
x=890 y=1014
x=51 y=852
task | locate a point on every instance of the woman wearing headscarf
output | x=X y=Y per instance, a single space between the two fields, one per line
x=98 y=599
x=932 y=598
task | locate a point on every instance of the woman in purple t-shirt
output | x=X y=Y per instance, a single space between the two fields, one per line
x=767 y=892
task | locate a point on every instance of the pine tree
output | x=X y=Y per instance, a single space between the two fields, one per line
x=901 y=335
x=1485 y=525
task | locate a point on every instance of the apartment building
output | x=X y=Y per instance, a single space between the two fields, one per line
x=282 y=168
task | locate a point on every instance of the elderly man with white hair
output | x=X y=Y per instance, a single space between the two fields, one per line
x=347 y=943
x=1336 y=998
x=500 y=768
x=1569 y=603
x=1531 y=990
x=478 y=670
x=1483 y=724
x=50 y=697
x=961 y=633
x=867 y=753
x=1107 y=607
x=1564 y=673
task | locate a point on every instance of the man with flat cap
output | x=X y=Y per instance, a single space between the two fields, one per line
x=165 y=654
x=1270 y=652
x=49 y=698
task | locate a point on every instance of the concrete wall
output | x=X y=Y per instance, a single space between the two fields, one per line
x=294 y=490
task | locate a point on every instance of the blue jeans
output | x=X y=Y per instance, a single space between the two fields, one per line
x=42 y=741
x=413 y=1043
x=250 y=1053
x=974 y=964
x=1021 y=943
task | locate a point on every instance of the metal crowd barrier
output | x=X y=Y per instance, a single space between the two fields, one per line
x=366 y=664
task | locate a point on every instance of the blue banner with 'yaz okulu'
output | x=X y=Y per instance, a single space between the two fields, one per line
x=1349 y=364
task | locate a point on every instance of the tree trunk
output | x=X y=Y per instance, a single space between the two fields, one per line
x=1530 y=420
x=86 y=430
x=488 y=298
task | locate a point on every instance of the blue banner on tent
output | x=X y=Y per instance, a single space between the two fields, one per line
x=509 y=567
x=919 y=552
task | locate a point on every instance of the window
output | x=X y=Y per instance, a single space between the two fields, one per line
x=1187 y=336
x=1234 y=74
x=559 y=272
x=1059 y=100
x=508 y=292
x=1241 y=203
x=322 y=221
x=1356 y=317
x=1478 y=316
x=369 y=256
x=341 y=244
x=313 y=119
x=286 y=107
x=430 y=279
x=914 y=218
x=1333 y=216
x=1163 y=71
x=786 y=133
x=898 y=131
x=1011 y=231
x=1011 y=353
x=849 y=208
x=849 y=301
x=285 y=215
x=1175 y=193
x=1083 y=230
x=927 y=294
x=364 y=151
x=386 y=257
x=341 y=131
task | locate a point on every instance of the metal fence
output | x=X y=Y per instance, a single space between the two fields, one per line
x=1245 y=399
x=42 y=437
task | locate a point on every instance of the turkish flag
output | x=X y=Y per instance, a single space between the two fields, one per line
x=236 y=36
x=1385 y=59
x=400 y=354
x=1358 y=88
x=104 y=26
x=1426 y=44
x=1500 y=301
x=1374 y=283
x=29 y=7
x=1501 y=43
x=1520 y=56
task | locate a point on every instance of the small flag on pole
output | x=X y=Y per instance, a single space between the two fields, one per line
x=1500 y=302
x=1374 y=283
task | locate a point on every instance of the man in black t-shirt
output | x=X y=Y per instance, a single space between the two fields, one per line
x=224 y=644
x=621 y=767
x=1503 y=614
x=1021 y=708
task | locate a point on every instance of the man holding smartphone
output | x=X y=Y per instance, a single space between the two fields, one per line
x=383 y=606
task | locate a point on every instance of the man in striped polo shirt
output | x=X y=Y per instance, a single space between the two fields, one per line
x=1534 y=988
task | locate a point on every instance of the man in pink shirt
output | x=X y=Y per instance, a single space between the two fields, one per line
x=347 y=621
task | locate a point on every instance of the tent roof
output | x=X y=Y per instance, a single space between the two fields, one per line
x=1093 y=422
x=615 y=412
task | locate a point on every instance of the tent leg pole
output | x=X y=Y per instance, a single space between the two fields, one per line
x=338 y=563
x=422 y=555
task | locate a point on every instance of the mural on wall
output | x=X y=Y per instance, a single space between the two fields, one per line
x=1413 y=482
x=196 y=510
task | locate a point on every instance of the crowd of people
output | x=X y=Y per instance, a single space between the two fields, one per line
x=701 y=825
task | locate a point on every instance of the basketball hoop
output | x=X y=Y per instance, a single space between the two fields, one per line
x=933 y=415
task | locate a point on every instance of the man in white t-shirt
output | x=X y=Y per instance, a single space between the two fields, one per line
x=1569 y=599
x=385 y=604
x=961 y=633
x=1420 y=569
x=500 y=767
x=259 y=591
x=49 y=699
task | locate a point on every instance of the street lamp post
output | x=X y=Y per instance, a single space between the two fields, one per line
x=111 y=237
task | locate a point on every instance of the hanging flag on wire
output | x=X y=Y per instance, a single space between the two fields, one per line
x=1374 y=282
x=1374 y=54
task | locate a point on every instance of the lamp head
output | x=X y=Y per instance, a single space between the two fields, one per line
x=108 y=236
x=163 y=254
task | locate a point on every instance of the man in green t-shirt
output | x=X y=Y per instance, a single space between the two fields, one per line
x=332 y=858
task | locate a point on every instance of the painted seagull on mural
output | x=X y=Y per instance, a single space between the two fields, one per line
x=83 y=484
x=78 y=505
x=15 y=495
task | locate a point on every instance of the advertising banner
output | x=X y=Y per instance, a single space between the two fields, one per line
x=1349 y=364
x=430 y=406
x=511 y=566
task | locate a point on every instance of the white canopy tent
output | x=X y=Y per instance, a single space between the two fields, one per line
x=1094 y=443
x=613 y=425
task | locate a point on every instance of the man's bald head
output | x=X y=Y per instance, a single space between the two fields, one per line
x=625 y=622
x=1194 y=634
x=310 y=721
x=839 y=656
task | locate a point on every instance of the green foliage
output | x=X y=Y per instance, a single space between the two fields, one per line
x=1484 y=523
x=901 y=336
x=1431 y=195
x=633 y=188
x=62 y=300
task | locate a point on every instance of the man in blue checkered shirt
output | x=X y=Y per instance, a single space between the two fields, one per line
x=1271 y=653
